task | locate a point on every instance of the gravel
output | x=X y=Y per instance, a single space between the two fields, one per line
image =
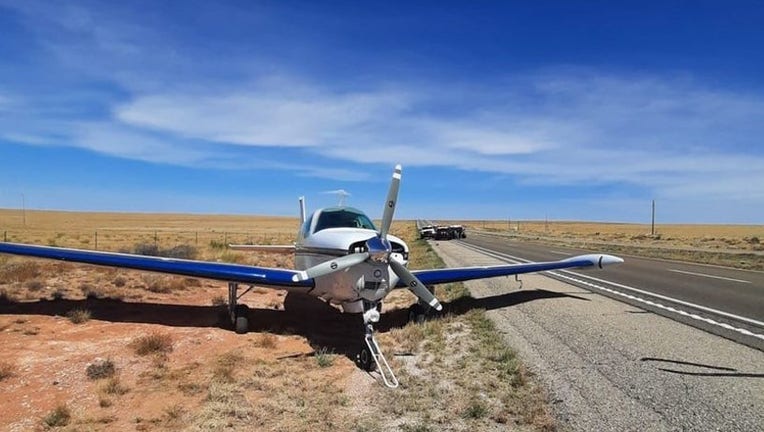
x=609 y=366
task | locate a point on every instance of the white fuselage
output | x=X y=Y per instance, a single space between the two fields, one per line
x=369 y=280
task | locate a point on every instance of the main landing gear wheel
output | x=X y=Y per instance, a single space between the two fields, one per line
x=365 y=360
x=241 y=319
x=417 y=313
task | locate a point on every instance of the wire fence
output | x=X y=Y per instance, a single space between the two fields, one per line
x=116 y=239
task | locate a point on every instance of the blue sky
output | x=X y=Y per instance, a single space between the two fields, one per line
x=495 y=109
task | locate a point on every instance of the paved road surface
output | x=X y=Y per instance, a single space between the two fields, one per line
x=726 y=301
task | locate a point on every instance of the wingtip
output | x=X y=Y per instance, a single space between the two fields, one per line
x=300 y=276
x=606 y=260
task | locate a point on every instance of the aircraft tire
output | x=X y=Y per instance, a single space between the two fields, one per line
x=241 y=323
x=416 y=314
x=365 y=360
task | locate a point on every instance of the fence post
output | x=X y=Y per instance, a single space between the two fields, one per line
x=155 y=238
x=196 y=240
x=96 y=240
x=225 y=240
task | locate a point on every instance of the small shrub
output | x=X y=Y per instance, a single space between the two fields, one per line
x=7 y=298
x=100 y=369
x=233 y=257
x=266 y=340
x=180 y=251
x=475 y=410
x=119 y=281
x=153 y=343
x=216 y=244
x=104 y=402
x=60 y=416
x=34 y=285
x=78 y=316
x=219 y=300
x=58 y=294
x=146 y=249
x=225 y=366
x=19 y=272
x=192 y=282
x=191 y=389
x=174 y=412
x=156 y=284
x=115 y=387
x=91 y=291
x=6 y=370
x=324 y=357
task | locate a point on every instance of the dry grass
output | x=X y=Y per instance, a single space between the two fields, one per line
x=78 y=316
x=114 y=387
x=59 y=417
x=225 y=366
x=123 y=231
x=7 y=370
x=153 y=343
x=729 y=245
x=100 y=369
x=265 y=340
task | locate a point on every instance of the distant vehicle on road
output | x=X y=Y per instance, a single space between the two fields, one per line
x=427 y=231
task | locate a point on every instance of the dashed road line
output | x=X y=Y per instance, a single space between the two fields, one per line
x=507 y=257
x=708 y=276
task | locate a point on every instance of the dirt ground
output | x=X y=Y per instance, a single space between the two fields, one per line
x=48 y=354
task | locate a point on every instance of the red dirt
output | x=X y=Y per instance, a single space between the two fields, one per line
x=49 y=354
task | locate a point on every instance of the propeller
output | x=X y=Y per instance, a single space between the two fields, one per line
x=378 y=250
x=331 y=266
x=414 y=284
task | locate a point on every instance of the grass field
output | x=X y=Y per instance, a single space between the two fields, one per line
x=739 y=246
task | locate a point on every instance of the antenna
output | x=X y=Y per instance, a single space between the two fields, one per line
x=341 y=194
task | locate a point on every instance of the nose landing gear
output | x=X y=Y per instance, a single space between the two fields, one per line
x=370 y=357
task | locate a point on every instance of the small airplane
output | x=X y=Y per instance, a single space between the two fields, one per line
x=340 y=257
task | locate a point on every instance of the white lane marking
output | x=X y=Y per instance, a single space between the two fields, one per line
x=708 y=276
x=559 y=253
x=641 y=300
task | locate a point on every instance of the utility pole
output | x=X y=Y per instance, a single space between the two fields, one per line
x=652 y=230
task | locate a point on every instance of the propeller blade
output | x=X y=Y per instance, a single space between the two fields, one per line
x=392 y=200
x=331 y=266
x=415 y=285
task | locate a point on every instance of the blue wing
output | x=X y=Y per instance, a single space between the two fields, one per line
x=203 y=269
x=439 y=276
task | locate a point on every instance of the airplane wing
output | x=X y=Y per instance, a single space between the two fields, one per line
x=263 y=248
x=273 y=277
x=439 y=276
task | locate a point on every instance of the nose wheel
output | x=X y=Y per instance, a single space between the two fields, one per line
x=370 y=358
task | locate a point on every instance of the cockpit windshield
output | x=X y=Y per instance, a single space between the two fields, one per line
x=343 y=217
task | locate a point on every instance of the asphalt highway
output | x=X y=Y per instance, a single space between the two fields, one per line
x=725 y=301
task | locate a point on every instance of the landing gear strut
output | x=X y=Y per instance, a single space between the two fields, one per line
x=239 y=313
x=370 y=357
